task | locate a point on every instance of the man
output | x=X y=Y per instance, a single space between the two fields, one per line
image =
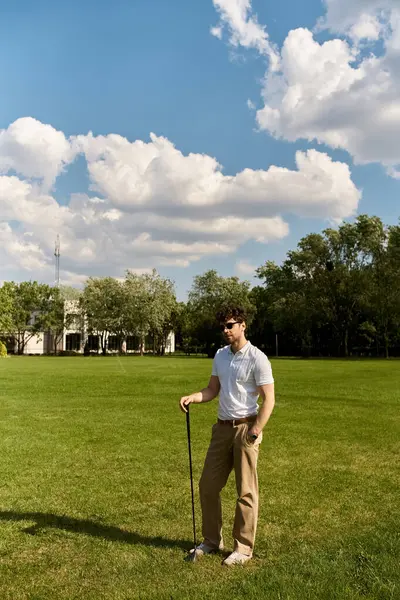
x=240 y=374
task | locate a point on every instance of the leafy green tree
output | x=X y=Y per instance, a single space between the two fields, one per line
x=289 y=297
x=210 y=292
x=149 y=306
x=384 y=296
x=101 y=303
x=323 y=292
x=6 y=305
x=169 y=325
x=60 y=316
x=351 y=249
x=69 y=293
x=162 y=308
x=136 y=308
x=183 y=330
x=31 y=303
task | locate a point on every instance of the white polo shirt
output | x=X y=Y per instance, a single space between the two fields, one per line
x=239 y=375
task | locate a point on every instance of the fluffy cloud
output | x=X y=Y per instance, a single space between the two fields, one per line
x=245 y=269
x=34 y=150
x=136 y=177
x=24 y=202
x=20 y=250
x=339 y=92
x=359 y=19
x=156 y=206
x=323 y=94
x=244 y=28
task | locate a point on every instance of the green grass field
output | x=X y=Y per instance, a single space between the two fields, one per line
x=95 y=490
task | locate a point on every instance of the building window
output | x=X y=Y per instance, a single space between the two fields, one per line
x=73 y=342
x=93 y=343
x=149 y=343
x=132 y=342
x=113 y=343
x=10 y=345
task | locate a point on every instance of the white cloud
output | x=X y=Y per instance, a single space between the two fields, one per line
x=16 y=249
x=231 y=229
x=216 y=32
x=156 y=206
x=22 y=201
x=324 y=93
x=145 y=244
x=34 y=150
x=243 y=267
x=244 y=28
x=138 y=177
x=339 y=92
x=368 y=27
x=357 y=16
x=72 y=279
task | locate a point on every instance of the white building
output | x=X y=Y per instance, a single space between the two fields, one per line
x=77 y=339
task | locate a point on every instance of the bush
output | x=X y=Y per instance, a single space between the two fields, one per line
x=3 y=350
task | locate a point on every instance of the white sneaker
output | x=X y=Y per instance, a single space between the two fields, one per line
x=203 y=549
x=236 y=558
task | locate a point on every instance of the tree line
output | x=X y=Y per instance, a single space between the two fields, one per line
x=337 y=294
x=140 y=306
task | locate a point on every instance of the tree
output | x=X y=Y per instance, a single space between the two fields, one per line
x=30 y=305
x=384 y=295
x=274 y=314
x=351 y=249
x=6 y=304
x=289 y=296
x=60 y=316
x=149 y=305
x=262 y=330
x=163 y=309
x=69 y=293
x=169 y=324
x=101 y=304
x=210 y=293
x=321 y=294
x=182 y=328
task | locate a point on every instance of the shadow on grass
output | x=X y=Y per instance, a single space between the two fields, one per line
x=91 y=528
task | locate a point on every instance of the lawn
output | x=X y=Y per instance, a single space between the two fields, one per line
x=95 y=490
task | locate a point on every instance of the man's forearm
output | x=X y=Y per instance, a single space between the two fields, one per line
x=265 y=411
x=205 y=395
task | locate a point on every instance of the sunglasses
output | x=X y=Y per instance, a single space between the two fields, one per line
x=228 y=325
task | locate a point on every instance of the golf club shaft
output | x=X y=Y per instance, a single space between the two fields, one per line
x=191 y=474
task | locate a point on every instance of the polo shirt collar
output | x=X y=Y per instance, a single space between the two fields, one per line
x=242 y=350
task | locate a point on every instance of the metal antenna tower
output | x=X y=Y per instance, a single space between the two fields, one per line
x=57 y=255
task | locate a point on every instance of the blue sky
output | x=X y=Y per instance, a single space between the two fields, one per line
x=136 y=67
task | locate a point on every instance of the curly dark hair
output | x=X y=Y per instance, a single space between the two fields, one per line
x=232 y=312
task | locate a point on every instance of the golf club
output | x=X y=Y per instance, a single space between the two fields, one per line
x=192 y=556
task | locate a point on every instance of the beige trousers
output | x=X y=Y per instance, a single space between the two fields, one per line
x=230 y=449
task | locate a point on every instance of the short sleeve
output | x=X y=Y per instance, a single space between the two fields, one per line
x=214 y=365
x=263 y=370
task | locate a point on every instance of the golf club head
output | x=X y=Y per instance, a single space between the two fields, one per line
x=191 y=557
